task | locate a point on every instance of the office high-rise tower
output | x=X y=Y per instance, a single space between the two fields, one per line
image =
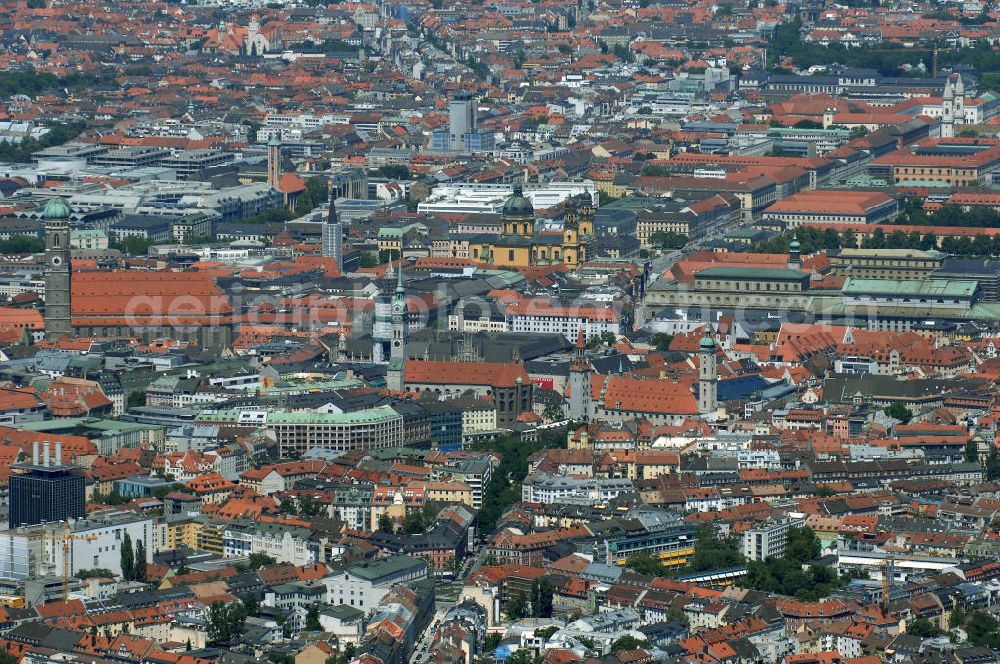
x=461 y=135
x=333 y=235
x=46 y=490
x=461 y=118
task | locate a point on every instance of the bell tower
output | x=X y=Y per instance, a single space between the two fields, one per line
x=400 y=325
x=274 y=161
x=708 y=375
x=580 y=407
x=57 y=268
x=948 y=110
x=400 y=320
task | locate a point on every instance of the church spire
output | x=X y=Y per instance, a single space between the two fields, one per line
x=400 y=291
x=794 y=253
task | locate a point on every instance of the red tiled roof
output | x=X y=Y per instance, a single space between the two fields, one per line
x=494 y=374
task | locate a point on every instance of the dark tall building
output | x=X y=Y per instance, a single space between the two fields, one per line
x=46 y=490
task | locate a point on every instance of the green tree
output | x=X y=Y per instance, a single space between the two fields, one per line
x=876 y=240
x=646 y=562
x=849 y=238
x=677 y=614
x=136 y=399
x=112 y=498
x=139 y=570
x=517 y=606
x=393 y=172
x=982 y=629
x=251 y=604
x=58 y=134
x=991 y=466
x=957 y=617
x=541 y=598
x=225 y=621
x=552 y=412
x=525 y=656
x=22 y=244
x=95 y=573
x=802 y=545
x=604 y=198
x=712 y=552
x=623 y=53
x=899 y=412
x=258 y=560
x=654 y=171
x=161 y=492
x=972 y=451
x=385 y=523
x=669 y=239
x=127 y=558
x=276 y=215
x=344 y=656
x=287 y=505
x=627 y=643
x=417 y=521
x=661 y=341
x=923 y=628
x=505 y=488
x=309 y=506
x=133 y=245
x=312 y=619
x=316 y=193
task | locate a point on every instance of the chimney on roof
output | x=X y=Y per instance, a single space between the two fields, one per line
x=45 y=454
x=58 y=461
x=34 y=453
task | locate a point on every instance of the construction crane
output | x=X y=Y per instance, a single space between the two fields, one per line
x=64 y=538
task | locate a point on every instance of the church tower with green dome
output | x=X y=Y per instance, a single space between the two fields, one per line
x=57 y=269
x=708 y=375
x=518 y=215
x=794 y=254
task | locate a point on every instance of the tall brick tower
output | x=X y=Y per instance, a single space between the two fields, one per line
x=57 y=268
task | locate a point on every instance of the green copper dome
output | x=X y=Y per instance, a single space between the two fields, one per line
x=56 y=208
x=517 y=205
x=707 y=342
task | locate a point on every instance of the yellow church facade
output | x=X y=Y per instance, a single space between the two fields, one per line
x=520 y=246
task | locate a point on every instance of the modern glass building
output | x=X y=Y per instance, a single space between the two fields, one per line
x=46 y=493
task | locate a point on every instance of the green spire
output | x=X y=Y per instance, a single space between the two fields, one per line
x=707 y=342
x=400 y=291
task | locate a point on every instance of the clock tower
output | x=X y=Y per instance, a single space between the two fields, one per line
x=400 y=320
x=400 y=336
x=57 y=268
